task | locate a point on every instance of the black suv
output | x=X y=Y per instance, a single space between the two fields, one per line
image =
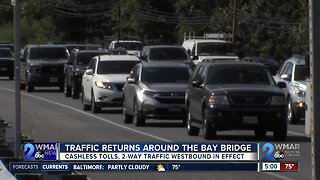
x=42 y=65
x=6 y=63
x=235 y=95
x=74 y=69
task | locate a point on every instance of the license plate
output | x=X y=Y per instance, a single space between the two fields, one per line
x=53 y=79
x=250 y=120
x=174 y=109
x=3 y=69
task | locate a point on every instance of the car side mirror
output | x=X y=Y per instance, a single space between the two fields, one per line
x=281 y=85
x=89 y=72
x=197 y=84
x=285 y=77
x=131 y=80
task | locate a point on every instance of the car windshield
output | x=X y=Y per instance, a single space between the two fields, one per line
x=215 y=49
x=48 y=53
x=84 y=58
x=300 y=73
x=168 y=54
x=239 y=74
x=165 y=75
x=5 y=53
x=116 y=67
x=129 y=45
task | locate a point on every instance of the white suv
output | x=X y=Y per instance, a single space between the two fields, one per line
x=103 y=80
x=133 y=47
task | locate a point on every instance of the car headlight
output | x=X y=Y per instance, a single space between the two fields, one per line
x=278 y=100
x=149 y=93
x=103 y=85
x=35 y=69
x=218 y=100
x=301 y=92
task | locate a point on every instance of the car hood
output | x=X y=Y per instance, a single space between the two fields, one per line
x=117 y=78
x=240 y=88
x=47 y=62
x=165 y=87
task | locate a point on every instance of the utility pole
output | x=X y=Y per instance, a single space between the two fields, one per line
x=119 y=21
x=234 y=25
x=17 y=78
x=314 y=6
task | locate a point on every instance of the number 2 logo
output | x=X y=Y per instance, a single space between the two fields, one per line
x=28 y=151
x=268 y=156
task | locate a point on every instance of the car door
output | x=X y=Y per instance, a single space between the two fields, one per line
x=131 y=89
x=194 y=94
x=87 y=80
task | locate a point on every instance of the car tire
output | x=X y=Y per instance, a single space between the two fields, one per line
x=66 y=89
x=127 y=118
x=94 y=107
x=29 y=86
x=137 y=118
x=260 y=133
x=292 y=119
x=74 y=91
x=192 y=131
x=280 y=134
x=85 y=106
x=209 y=132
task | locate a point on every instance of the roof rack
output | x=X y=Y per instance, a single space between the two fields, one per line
x=213 y=36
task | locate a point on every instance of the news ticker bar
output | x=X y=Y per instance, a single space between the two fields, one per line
x=280 y=166
x=43 y=167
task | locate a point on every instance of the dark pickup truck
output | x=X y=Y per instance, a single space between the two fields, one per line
x=42 y=65
x=74 y=69
x=6 y=63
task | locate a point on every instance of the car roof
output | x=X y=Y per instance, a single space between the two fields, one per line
x=119 y=58
x=164 y=64
x=45 y=45
x=206 y=40
x=163 y=46
x=133 y=41
x=87 y=51
x=230 y=62
x=297 y=59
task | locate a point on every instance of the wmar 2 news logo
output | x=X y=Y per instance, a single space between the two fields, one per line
x=40 y=151
x=281 y=151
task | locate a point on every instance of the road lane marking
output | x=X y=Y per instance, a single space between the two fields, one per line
x=130 y=129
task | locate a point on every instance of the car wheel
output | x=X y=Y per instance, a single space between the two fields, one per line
x=22 y=86
x=74 y=91
x=209 y=132
x=94 y=107
x=192 y=131
x=86 y=107
x=260 y=133
x=66 y=89
x=29 y=86
x=127 y=118
x=138 y=120
x=280 y=134
x=292 y=119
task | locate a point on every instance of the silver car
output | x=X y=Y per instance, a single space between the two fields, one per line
x=157 y=91
x=294 y=71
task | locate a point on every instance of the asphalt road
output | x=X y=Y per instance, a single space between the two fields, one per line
x=47 y=116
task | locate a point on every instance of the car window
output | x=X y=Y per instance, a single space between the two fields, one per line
x=286 y=68
x=227 y=74
x=215 y=48
x=128 y=45
x=48 y=53
x=84 y=58
x=135 y=73
x=167 y=54
x=5 y=53
x=168 y=74
x=92 y=65
x=115 y=67
x=198 y=73
x=300 y=73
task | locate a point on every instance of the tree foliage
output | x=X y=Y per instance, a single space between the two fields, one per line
x=270 y=28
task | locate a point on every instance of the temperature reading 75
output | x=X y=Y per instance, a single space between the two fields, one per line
x=289 y=166
x=175 y=167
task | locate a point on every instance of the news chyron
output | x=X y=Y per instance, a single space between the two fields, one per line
x=157 y=157
x=280 y=157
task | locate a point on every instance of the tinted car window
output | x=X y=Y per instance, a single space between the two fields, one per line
x=48 y=53
x=167 y=54
x=5 y=53
x=212 y=48
x=239 y=75
x=128 y=45
x=168 y=75
x=115 y=67
x=84 y=58
x=300 y=73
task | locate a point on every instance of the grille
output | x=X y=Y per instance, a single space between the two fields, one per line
x=52 y=69
x=249 y=99
x=171 y=100
x=119 y=86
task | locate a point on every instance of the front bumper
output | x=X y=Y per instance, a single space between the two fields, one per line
x=6 y=68
x=267 y=117
x=299 y=109
x=108 y=98
x=46 y=80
